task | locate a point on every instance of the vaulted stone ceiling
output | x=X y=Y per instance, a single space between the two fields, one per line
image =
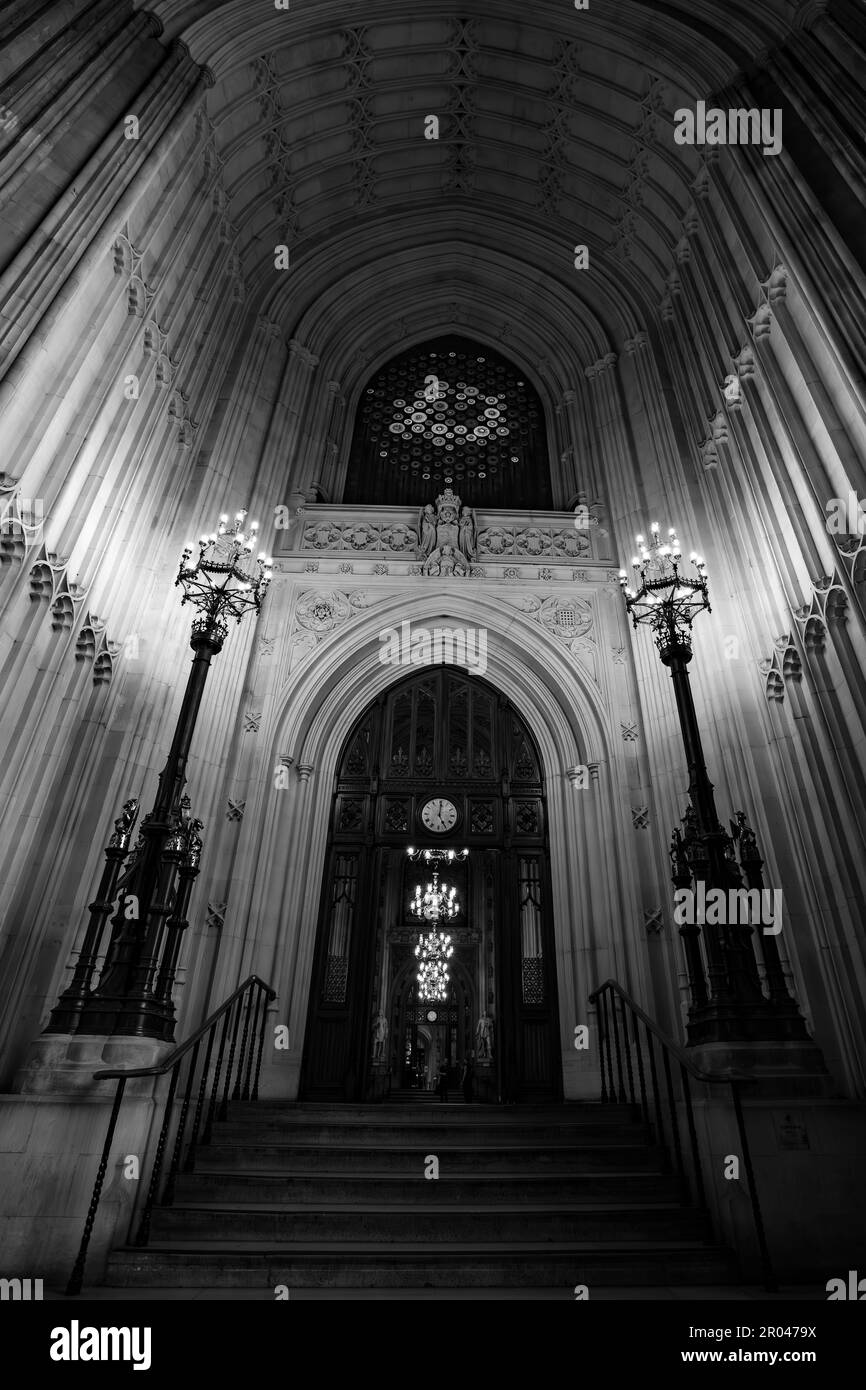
x=555 y=130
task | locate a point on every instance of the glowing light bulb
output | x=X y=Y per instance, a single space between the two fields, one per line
x=655 y=528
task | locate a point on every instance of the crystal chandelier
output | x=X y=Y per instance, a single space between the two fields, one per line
x=434 y=950
x=432 y=954
x=438 y=900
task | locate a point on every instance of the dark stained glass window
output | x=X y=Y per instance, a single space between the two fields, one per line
x=449 y=412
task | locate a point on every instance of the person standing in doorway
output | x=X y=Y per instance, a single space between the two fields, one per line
x=442 y=1088
x=467 y=1077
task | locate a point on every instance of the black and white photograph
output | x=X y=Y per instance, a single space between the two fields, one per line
x=432 y=696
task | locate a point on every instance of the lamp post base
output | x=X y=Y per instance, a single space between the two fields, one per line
x=756 y=1021
x=777 y=1068
x=59 y=1063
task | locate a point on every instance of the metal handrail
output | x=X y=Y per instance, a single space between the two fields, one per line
x=618 y=1087
x=248 y=1001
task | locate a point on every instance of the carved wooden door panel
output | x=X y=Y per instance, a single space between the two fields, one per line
x=441 y=736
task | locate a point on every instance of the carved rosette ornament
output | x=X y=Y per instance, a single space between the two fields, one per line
x=320 y=613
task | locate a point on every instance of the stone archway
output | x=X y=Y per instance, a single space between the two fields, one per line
x=593 y=876
x=441 y=738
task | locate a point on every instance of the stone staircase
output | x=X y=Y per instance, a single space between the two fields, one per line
x=335 y=1196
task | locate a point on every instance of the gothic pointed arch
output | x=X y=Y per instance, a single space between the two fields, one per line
x=449 y=412
x=444 y=739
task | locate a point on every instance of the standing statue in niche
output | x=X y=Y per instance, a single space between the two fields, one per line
x=468 y=532
x=484 y=1035
x=447 y=537
x=426 y=531
x=380 y=1036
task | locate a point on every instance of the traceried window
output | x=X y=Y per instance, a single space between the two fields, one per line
x=449 y=412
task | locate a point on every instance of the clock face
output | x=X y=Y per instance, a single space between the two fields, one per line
x=432 y=1015
x=439 y=815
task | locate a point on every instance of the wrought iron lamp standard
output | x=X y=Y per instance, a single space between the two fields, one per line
x=728 y=1002
x=435 y=949
x=152 y=890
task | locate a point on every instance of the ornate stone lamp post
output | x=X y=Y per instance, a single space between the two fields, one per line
x=728 y=1002
x=132 y=996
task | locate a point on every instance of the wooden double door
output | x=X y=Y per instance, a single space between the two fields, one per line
x=441 y=761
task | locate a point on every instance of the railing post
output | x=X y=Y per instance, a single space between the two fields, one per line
x=156 y=1172
x=76 y=1278
x=627 y=1050
x=168 y=1194
x=224 y=1107
x=602 y=1042
x=693 y=1138
x=770 y=1283
x=672 y=1106
x=208 y=1124
x=267 y=996
x=189 y=1161
x=620 y=1095
x=657 y=1104
x=639 y=1055
x=255 y=997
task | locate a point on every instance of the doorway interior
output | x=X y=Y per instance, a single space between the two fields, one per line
x=441 y=760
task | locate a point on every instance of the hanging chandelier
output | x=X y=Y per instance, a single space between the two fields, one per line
x=432 y=904
x=434 y=950
x=433 y=953
x=437 y=900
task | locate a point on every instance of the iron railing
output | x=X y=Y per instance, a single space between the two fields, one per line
x=244 y=1013
x=630 y=1075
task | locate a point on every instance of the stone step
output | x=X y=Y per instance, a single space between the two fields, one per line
x=436 y=1223
x=227 y=1188
x=521 y=1115
x=457 y=1265
x=327 y=1196
x=319 y=1114
x=289 y=1156
x=427 y=1133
